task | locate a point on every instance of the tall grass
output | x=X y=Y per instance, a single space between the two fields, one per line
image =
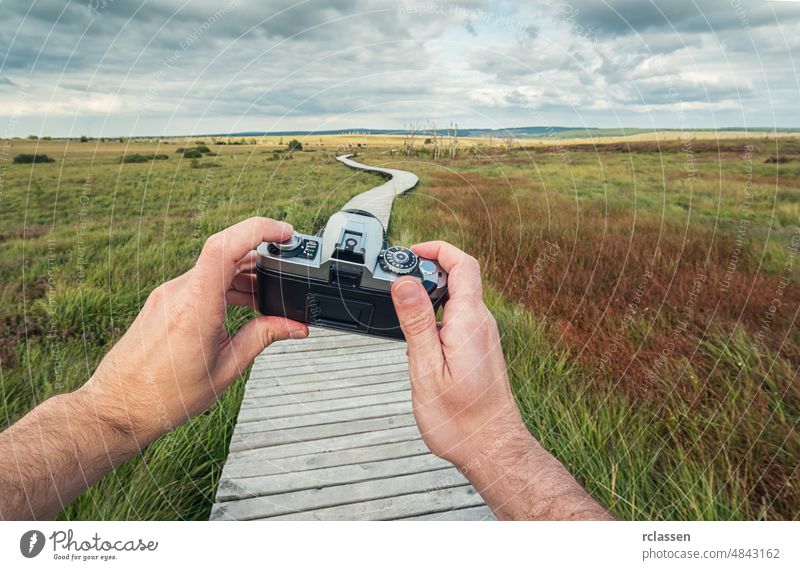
x=82 y=245
x=708 y=431
x=632 y=307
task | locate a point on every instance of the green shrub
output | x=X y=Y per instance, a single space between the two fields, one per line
x=201 y=148
x=192 y=153
x=139 y=158
x=31 y=158
x=133 y=158
x=295 y=144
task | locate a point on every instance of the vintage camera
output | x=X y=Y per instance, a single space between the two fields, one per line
x=342 y=277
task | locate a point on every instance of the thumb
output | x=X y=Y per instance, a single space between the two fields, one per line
x=248 y=343
x=418 y=321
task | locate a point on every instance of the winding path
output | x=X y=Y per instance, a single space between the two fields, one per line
x=326 y=430
x=378 y=201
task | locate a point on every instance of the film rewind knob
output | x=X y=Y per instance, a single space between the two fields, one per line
x=290 y=244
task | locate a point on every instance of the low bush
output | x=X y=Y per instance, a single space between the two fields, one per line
x=31 y=158
x=140 y=158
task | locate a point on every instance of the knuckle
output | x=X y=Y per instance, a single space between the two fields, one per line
x=266 y=335
x=214 y=246
x=418 y=322
x=483 y=318
x=157 y=295
x=177 y=319
x=182 y=315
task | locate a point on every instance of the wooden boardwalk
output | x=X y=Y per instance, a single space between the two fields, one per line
x=326 y=430
x=378 y=201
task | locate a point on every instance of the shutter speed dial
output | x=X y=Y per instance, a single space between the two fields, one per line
x=399 y=260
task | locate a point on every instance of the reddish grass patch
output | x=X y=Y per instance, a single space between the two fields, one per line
x=633 y=296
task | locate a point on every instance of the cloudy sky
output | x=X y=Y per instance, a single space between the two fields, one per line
x=133 y=67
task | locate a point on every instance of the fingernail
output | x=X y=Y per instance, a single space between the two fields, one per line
x=406 y=291
x=284 y=227
x=298 y=334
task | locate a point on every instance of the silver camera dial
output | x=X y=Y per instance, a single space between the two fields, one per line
x=399 y=260
x=290 y=244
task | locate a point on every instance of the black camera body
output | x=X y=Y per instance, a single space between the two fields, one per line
x=342 y=277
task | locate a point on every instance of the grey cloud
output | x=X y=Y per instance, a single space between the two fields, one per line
x=315 y=61
x=470 y=27
x=620 y=17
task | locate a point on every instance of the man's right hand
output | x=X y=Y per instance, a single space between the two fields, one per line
x=460 y=388
x=463 y=402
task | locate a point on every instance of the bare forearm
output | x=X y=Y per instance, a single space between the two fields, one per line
x=520 y=480
x=55 y=452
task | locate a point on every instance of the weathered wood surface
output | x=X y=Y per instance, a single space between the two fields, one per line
x=326 y=430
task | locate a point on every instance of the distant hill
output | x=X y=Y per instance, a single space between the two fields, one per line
x=516 y=132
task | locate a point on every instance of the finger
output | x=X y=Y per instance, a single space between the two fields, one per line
x=248 y=263
x=222 y=252
x=241 y=299
x=250 y=341
x=245 y=282
x=418 y=321
x=463 y=271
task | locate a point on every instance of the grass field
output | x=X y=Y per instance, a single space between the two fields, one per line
x=648 y=302
x=647 y=296
x=83 y=241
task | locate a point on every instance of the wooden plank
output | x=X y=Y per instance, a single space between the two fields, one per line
x=334 y=442
x=372 y=360
x=315 y=499
x=368 y=429
x=377 y=411
x=260 y=400
x=398 y=446
x=393 y=508
x=325 y=344
x=316 y=458
x=288 y=479
x=257 y=411
x=261 y=378
x=325 y=351
x=368 y=365
x=276 y=388
x=482 y=513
